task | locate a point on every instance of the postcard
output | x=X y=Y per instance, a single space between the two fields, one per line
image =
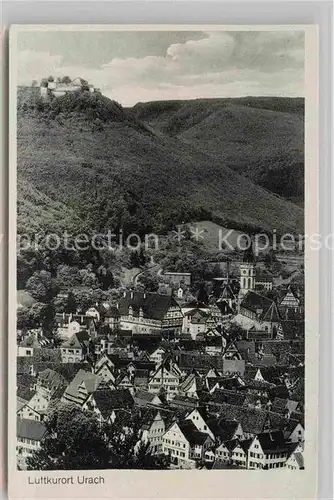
x=163 y=275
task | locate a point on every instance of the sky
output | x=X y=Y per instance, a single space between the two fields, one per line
x=132 y=67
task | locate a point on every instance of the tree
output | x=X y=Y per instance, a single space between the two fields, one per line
x=43 y=315
x=202 y=295
x=150 y=283
x=134 y=259
x=71 y=303
x=23 y=319
x=106 y=278
x=41 y=286
x=75 y=440
x=66 y=80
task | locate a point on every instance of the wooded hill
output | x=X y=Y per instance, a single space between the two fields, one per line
x=147 y=170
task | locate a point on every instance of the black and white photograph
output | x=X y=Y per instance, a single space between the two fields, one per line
x=160 y=273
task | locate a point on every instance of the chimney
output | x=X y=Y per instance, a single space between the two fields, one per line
x=131 y=294
x=144 y=296
x=124 y=294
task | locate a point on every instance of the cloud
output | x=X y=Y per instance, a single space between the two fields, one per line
x=219 y=64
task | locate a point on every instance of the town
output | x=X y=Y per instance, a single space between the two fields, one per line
x=217 y=374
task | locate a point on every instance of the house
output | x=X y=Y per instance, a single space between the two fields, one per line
x=263 y=279
x=29 y=435
x=69 y=324
x=222 y=453
x=224 y=430
x=48 y=381
x=146 y=313
x=154 y=430
x=157 y=355
x=33 y=399
x=290 y=300
x=231 y=351
x=192 y=386
x=23 y=410
x=294 y=432
x=76 y=348
x=145 y=398
x=106 y=373
x=112 y=317
x=239 y=451
x=295 y=458
x=93 y=312
x=165 y=378
x=185 y=443
x=28 y=346
x=268 y=451
x=284 y=406
x=81 y=387
x=199 y=419
x=107 y=403
x=195 y=323
x=259 y=312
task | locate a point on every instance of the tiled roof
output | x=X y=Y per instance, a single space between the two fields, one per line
x=264 y=307
x=108 y=400
x=272 y=441
x=51 y=377
x=153 y=305
x=30 y=429
x=25 y=379
x=90 y=380
x=20 y=403
x=191 y=433
x=77 y=340
x=252 y=420
x=25 y=393
x=145 y=397
x=223 y=430
x=30 y=341
x=221 y=396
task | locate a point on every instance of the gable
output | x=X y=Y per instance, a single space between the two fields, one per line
x=175 y=431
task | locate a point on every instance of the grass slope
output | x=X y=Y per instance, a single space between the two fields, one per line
x=261 y=138
x=111 y=170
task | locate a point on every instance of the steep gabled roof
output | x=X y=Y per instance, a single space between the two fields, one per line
x=25 y=393
x=77 y=340
x=191 y=433
x=272 y=441
x=30 y=342
x=30 y=429
x=223 y=430
x=90 y=381
x=51 y=377
x=153 y=305
x=256 y=303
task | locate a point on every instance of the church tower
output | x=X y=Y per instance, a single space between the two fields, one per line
x=247 y=273
x=247 y=277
